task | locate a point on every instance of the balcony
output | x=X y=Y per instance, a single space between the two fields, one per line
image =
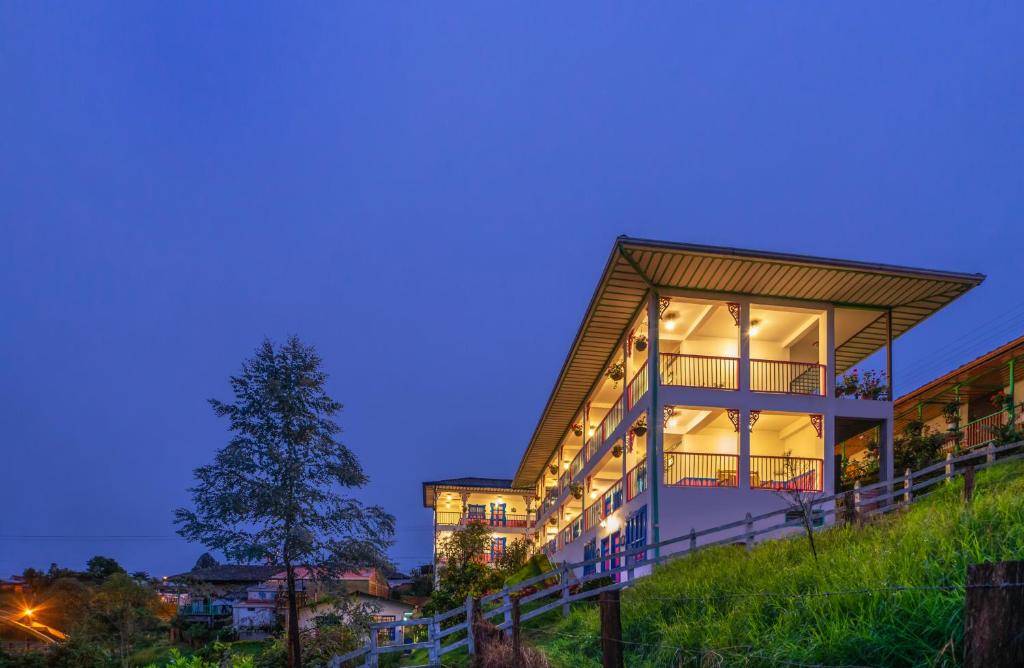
x=636 y=481
x=698 y=469
x=787 y=377
x=500 y=521
x=701 y=371
x=782 y=473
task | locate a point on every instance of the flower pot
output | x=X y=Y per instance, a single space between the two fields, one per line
x=553 y=468
x=616 y=451
x=615 y=375
x=640 y=345
x=639 y=431
x=578 y=432
x=553 y=521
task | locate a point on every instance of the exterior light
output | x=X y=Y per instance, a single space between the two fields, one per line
x=755 y=327
x=593 y=494
x=672 y=422
x=590 y=432
x=28 y=612
x=603 y=524
x=565 y=466
x=670 y=320
x=613 y=523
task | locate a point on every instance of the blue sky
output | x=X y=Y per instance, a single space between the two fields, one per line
x=428 y=193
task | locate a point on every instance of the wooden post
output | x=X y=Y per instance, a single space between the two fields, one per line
x=434 y=651
x=611 y=630
x=994 y=615
x=968 y=482
x=949 y=466
x=908 y=486
x=856 y=498
x=749 y=539
x=470 y=619
x=693 y=539
x=565 y=591
x=506 y=601
x=372 y=656
x=517 y=649
x=990 y=453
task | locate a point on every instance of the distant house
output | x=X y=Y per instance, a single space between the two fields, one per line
x=210 y=594
x=255 y=617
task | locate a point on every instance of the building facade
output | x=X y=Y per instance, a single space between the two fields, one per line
x=701 y=386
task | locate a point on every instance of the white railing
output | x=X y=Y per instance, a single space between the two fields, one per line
x=869 y=500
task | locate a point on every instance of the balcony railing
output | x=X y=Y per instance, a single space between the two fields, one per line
x=611 y=420
x=205 y=610
x=592 y=515
x=706 y=371
x=504 y=521
x=637 y=388
x=787 y=377
x=636 y=481
x=785 y=473
x=699 y=469
x=981 y=431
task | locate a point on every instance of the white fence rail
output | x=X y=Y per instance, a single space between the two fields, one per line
x=862 y=501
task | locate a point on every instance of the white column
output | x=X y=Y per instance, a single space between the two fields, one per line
x=744 y=425
x=654 y=426
x=827 y=353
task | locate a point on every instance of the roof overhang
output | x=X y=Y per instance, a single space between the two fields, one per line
x=637 y=266
x=441 y=486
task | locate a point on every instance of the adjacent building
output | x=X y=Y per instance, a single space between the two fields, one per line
x=700 y=386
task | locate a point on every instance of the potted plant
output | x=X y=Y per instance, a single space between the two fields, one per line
x=640 y=343
x=639 y=427
x=553 y=468
x=616 y=371
x=1001 y=400
x=951 y=412
x=553 y=520
x=617 y=450
x=577 y=428
x=576 y=490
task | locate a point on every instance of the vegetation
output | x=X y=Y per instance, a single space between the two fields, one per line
x=867 y=385
x=271 y=494
x=725 y=606
x=464 y=574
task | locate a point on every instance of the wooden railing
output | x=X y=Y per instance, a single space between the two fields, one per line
x=511 y=521
x=563 y=585
x=706 y=371
x=611 y=420
x=636 y=481
x=592 y=515
x=782 y=473
x=787 y=377
x=637 y=387
x=449 y=517
x=698 y=469
x=981 y=431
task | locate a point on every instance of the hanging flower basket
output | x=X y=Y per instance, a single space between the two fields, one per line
x=639 y=427
x=951 y=412
x=616 y=371
x=576 y=490
x=553 y=521
x=553 y=468
x=617 y=450
x=640 y=343
x=577 y=428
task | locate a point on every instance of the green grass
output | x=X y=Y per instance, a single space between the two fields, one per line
x=708 y=609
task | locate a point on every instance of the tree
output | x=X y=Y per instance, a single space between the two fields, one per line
x=272 y=493
x=120 y=611
x=99 y=568
x=801 y=497
x=205 y=560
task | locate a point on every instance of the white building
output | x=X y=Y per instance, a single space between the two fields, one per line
x=255 y=617
x=701 y=382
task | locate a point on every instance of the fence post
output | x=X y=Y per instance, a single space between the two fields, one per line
x=517 y=650
x=749 y=539
x=470 y=642
x=990 y=453
x=949 y=466
x=856 y=498
x=565 y=591
x=434 y=651
x=968 y=482
x=693 y=539
x=908 y=486
x=371 y=658
x=506 y=601
x=611 y=630
x=994 y=615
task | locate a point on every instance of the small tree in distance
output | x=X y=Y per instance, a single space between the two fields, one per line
x=273 y=493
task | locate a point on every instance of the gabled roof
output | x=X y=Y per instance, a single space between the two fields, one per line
x=636 y=266
x=469 y=483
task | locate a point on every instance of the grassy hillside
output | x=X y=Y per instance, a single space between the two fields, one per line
x=726 y=606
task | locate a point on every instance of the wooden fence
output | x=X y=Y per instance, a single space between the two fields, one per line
x=561 y=587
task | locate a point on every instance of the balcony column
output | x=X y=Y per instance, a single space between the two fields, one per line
x=654 y=426
x=744 y=385
x=465 y=500
x=626 y=349
x=827 y=355
x=433 y=545
x=888 y=353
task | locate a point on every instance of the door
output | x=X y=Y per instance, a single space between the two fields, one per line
x=497 y=549
x=497 y=514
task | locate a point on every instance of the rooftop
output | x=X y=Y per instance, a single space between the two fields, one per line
x=482 y=484
x=637 y=266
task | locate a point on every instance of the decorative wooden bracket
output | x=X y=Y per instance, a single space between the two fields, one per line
x=817 y=421
x=663 y=303
x=754 y=416
x=734 y=417
x=667 y=413
x=734 y=311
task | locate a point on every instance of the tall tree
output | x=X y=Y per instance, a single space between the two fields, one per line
x=275 y=492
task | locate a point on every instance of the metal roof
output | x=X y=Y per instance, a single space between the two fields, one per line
x=635 y=266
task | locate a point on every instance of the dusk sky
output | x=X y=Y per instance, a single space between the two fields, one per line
x=428 y=193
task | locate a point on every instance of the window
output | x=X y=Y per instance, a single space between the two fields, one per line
x=636 y=533
x=590 y=552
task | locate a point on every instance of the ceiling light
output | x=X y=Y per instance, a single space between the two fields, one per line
x=565 y=466
x=593 y=493
x=603 y=524
x=672 y=422
x=755 y=327
x=670 y=320
x=613 y=523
